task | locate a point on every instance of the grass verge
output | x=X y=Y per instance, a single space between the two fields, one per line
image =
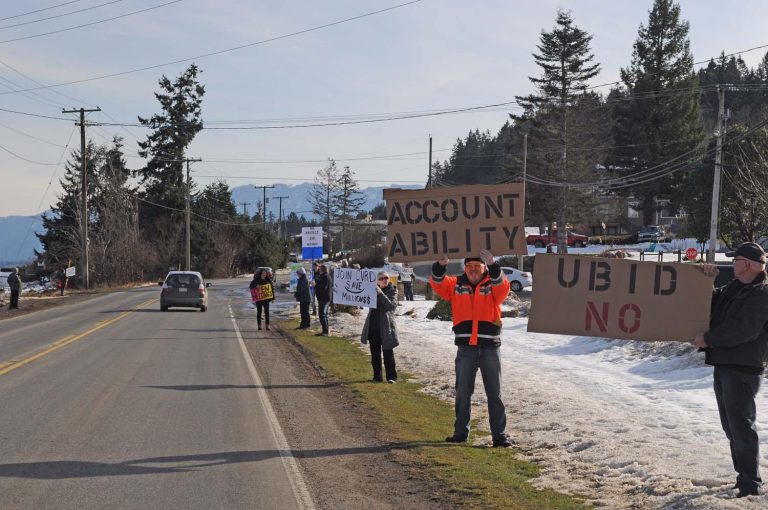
x=415 y=423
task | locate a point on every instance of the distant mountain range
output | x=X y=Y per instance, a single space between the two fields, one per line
x=18 y=240
x=298 y=196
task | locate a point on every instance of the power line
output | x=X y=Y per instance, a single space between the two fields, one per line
x=205 y=55
x=60 y=15
x=39 y=10
x=90 y=24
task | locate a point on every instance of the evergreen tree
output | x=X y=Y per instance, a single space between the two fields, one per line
x=475 y=160
x=657 y=114
x=561 y=114
x=348 y=201
x=324 y=195
x=163 y=177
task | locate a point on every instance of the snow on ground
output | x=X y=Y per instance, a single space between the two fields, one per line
x=626 y=424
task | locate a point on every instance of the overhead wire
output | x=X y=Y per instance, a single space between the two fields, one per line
x=61 y=15
x=40 y=10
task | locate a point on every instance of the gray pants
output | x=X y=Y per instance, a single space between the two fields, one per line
x=468 y=360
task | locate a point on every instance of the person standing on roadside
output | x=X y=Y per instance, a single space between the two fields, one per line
x=303 y=297
x=312 y=284
x=380 y=330
x=14 y=282
x=62 y=280
x=736 y=344
x=406 y=276
x=262 y=293
x=323 y=294
x=476 y=297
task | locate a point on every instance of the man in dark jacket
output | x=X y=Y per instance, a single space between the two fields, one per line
x=323 y=294
x=737 y=346
x=14 y=282
x=476 y=298
x=303 y=296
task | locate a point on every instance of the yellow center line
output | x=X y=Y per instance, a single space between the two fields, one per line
x=7 y=367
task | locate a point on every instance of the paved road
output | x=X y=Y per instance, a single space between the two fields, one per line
x=110 y=403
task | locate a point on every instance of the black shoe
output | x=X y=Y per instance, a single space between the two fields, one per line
x=455 y=439
x=501 y=442
x=746 y=493
x=374 y=380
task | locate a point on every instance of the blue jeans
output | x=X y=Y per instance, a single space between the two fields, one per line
x=408 y=290
x=468 y=360
x=322 y=312
x=735 y=392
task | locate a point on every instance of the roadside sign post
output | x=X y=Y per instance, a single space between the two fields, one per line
x=312 y=243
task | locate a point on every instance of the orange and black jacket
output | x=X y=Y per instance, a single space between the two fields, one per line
x=476 y=308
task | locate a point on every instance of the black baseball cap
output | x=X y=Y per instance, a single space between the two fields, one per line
x=473 y=259
x=751 y=251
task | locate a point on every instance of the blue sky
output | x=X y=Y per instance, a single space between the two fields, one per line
x=431 y=55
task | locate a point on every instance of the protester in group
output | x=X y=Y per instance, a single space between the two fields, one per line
x=262 y=293
x=62 y=280
x=736 y=344
x=312 y=287
x=303 y=297
x=380 y=331
x=14 y=282
x=476 y=297
x=406 y=276
x=323 y=293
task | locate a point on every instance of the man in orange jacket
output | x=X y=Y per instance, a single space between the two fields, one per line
x=476 y=298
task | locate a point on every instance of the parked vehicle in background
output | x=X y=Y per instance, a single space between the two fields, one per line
x=184 y=289
x=652 y=233
x=518 y=280
x=542 y=240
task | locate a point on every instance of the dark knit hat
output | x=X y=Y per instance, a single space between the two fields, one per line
x=751 y=251
x=473 y=259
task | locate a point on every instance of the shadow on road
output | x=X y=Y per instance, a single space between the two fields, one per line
x=62 y=469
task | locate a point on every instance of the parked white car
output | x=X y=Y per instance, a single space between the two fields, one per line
x=518 y=280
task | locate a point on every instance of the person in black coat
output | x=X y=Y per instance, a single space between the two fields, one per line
x=14 y=282
x=262 y=304
x=380 y=330
x=323 y=295
x=303 y=296
x=736 y=344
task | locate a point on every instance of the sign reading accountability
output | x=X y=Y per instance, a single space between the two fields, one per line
x=617 y=298
x=459 y=221
x=356 y=287
x=311 y=243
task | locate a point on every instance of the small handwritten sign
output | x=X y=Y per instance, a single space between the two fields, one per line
x=356 y=287
x=261 y=293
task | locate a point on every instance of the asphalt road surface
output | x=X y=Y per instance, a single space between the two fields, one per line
x=110 y=403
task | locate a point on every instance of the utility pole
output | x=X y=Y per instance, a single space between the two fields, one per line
x=244 y=204
x=716 y=181
x=525 y=170
x=84 y=197
x=188 y=214
x=264 y=203
x=429 y=180
x=280 y=218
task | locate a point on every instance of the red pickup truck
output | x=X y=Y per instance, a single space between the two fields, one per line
x=542 y=240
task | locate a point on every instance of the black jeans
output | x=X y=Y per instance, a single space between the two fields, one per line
x=262 y=305
x=14 y=299
x=408 y=290
x=322 y=312
x=304 y=312
x=390 y=369
x=735 y=392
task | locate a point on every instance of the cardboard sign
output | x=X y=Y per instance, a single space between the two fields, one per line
x=261 y=293
x=619 y=298
x=458 y=221
x=356 y=287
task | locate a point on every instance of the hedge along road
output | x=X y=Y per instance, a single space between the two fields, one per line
x=134 y=408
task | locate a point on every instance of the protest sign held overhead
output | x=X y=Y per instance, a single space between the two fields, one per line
x=456 y=221
x=356 y=287
x=619 y=298
x=311 y=243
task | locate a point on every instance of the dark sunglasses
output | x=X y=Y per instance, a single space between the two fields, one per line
x=383 y=277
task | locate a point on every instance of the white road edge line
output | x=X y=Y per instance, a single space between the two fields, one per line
x=300 y=490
